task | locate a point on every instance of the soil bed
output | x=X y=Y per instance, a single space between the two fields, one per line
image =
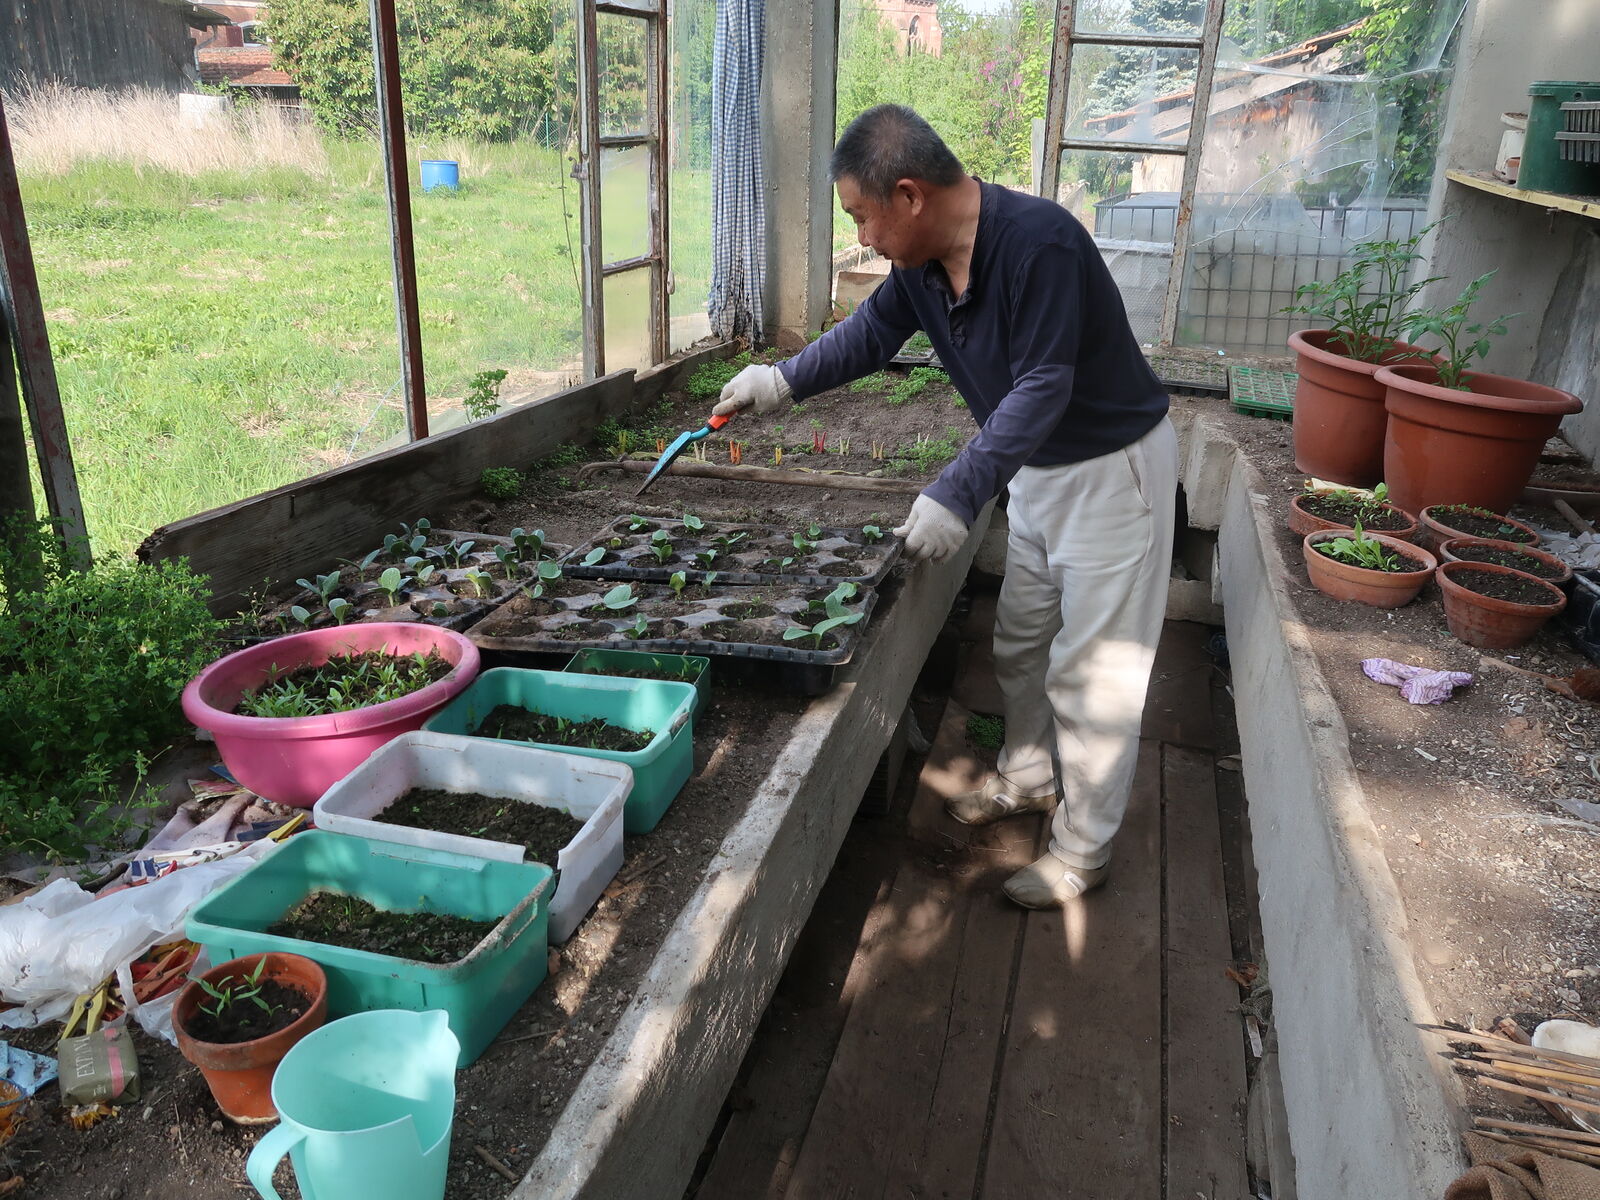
x=1507 y=558
x=519 y=725
x=337 y=920
x=1503 y=587
x=1478 y=523
x=244 y=1020
x=1346 y=510
x=541 y=830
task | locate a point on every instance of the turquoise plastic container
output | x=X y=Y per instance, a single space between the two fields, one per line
x=367 y=1103
x=659 y=770
x=597 y=661
x=440 y=173
x=478 y=994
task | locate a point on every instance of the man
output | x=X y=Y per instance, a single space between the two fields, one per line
x=1026 y=318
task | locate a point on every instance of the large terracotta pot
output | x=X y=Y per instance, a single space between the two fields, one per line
x=1487 y=621
x=1479 y=446
x=1381 y=589
x=1339 y=418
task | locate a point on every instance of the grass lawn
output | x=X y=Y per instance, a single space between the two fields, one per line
x=224 y=332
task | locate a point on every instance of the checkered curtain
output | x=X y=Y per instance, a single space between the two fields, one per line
x=738 y=205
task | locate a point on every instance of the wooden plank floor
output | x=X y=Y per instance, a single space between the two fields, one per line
x=931 y=1041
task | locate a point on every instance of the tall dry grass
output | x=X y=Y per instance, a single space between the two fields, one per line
x=56 y=128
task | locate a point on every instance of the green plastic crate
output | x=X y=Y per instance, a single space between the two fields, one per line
x=659 y=770
x=597 y=661
x=479 y=994
x=1261 y=393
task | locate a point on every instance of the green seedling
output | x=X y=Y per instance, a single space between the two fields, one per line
x=501 y=483
x=421 y=529
x=779 y=564
x=636 y=522
x=693 y=523
x=549 y=572
x=303 y=615
x=441 y=609
x=341 y=609
x=391 y=583
x=456 y=552
x=661 y=545
x=508 y=559
x=1363 y=550
x=728 y=541
x=325 y=585
x=425 y=572
x=528 y=545
x=833 y=604
x=594 y=556
x=482 y=584
x=803 y=544
x=236 y=991
x=638 y=629
x=677 y=583
x=361 y=564
x=814 y=531
x=620 y=598
x=705 y=558
x=821 y=629
x=872 y=533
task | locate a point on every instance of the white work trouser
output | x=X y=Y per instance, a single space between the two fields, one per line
x=1075 y=632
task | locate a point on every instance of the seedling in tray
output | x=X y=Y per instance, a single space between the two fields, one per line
x=779 y=565
x=456 y=553
x=391 y=583
x=594 y=556
x=325 y=586
x=340 y=609
x=640 y=627
x=693 y=523
x=620 y=598
x=301 y=614
x=482 y=584
x=661 y=546
x=837 y=615
x=705 y=558
x=549 y=572
x=527 y=545
x=872 y=533
x=677 y=583
x=636 y=522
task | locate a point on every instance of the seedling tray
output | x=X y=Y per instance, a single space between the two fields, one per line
x=1179 y=374
x=516 y=628
x=659 y=770
x=588 y=789
x=694 y=669
x=478 y=994
x=841 y=555
x=1261 y=393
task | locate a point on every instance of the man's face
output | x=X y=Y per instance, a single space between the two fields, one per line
x=893 y=227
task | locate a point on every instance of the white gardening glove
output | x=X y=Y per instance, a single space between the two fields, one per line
x=762 y=386
x=932 y=531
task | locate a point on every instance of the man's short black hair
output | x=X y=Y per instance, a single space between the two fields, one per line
x=889 y=143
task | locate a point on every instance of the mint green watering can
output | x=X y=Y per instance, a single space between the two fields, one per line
x=367 y=1103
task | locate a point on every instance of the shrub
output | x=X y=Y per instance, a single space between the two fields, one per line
x=501 y=483
x=986 y=732
x=92 y=665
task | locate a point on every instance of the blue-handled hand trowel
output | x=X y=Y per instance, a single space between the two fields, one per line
x=679 y=444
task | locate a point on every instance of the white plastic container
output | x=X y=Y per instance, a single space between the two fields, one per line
x=593 y=790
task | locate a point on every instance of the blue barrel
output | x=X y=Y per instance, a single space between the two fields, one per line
x=440 y=172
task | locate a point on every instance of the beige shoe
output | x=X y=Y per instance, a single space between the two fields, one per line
x=1050 y=883
x=992 y=802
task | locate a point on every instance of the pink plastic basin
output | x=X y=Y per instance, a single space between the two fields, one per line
x=293 y=760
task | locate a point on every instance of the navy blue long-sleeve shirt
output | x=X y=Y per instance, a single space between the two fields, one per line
x=1038 y=345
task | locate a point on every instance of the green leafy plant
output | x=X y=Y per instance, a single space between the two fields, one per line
x=917 y=381
x=482 y=584
x=456 y=552
x=440 y=609
x=501 y=483
x=727 y=541
x=639 y=628
x=803 y=544
x=1362 y=550
x=424 y=572
x=711 y=577
x=986 y=732
x=528 y=545
x=341 y=609
x=325 y=586
x=483 y=397
x=707 y=380
x=547 y=573
x=620 y=598
x=301 y=614
x=1365 y=304
x=838 y=615
x=929 y=454
x=779 y=564
x=594 y=556
x=343 y=683
x=1463 y=343
x=661 y=546
x=704 y=558
x=872 y=533
x=391 y=583
x=1366 y=506
x=236 y=991
x=677 y=582
x=361 y=564
x=693 y=523
x=636 y=522
x=508 y=559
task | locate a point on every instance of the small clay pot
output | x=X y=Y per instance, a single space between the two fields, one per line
x=1437 y=530
x=1563 y=578
x=1303 y=522
x=1487 y=621
x=240 y=1073
x=1380 y=589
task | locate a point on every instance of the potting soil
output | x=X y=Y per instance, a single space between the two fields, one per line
x=542 y=830
x=1477 y=523
x=1346 y=510
x=518 y=724
x=1507 y=558
x=274 y=1006
x=337 y=920
x=1503 y=587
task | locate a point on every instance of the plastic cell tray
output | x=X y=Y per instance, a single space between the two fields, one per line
x=1262 y=393
x=660 y=769
x=695 y=669
x=588 y=789
x=478 y=993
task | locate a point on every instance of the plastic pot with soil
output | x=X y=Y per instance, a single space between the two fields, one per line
x=1339 y=415
x=313 y=738
x=1494 y=607
x=1313 y=511
x=1372 y=569
x=1524 y=558
x=1476 y=445
x=1442 y=522
x=238 y=1020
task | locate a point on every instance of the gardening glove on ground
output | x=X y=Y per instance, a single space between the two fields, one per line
x=758 y=385
x=932 y=531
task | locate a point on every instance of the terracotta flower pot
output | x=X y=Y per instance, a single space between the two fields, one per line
x=1381 y=589
x=1437 y=530
x=1560 y=574
x=1339 y=416
x=1477 y=447
x=1488 y=622
x=240 y=1073
x=1303 y=522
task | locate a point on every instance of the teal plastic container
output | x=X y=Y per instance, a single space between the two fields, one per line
x=478 y=994
x=597 y=661
x=659 y=770
x=367 y=1104
x=1543 y=169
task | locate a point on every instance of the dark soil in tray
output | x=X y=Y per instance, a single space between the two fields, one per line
x=1503 y=587
x=337 y=920
x=245 y=1020
x=1346 y=510
x=518 y=724
x=1507 y=558
x=1479 y=523
x=543 y=831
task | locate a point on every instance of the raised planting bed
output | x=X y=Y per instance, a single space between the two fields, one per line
x=444 y=577
x=476 y=796
x=643 y=548
x=421 y=896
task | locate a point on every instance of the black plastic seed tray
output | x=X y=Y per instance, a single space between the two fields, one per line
x=569 y=622
x=1581 y=617
x=754 y=554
